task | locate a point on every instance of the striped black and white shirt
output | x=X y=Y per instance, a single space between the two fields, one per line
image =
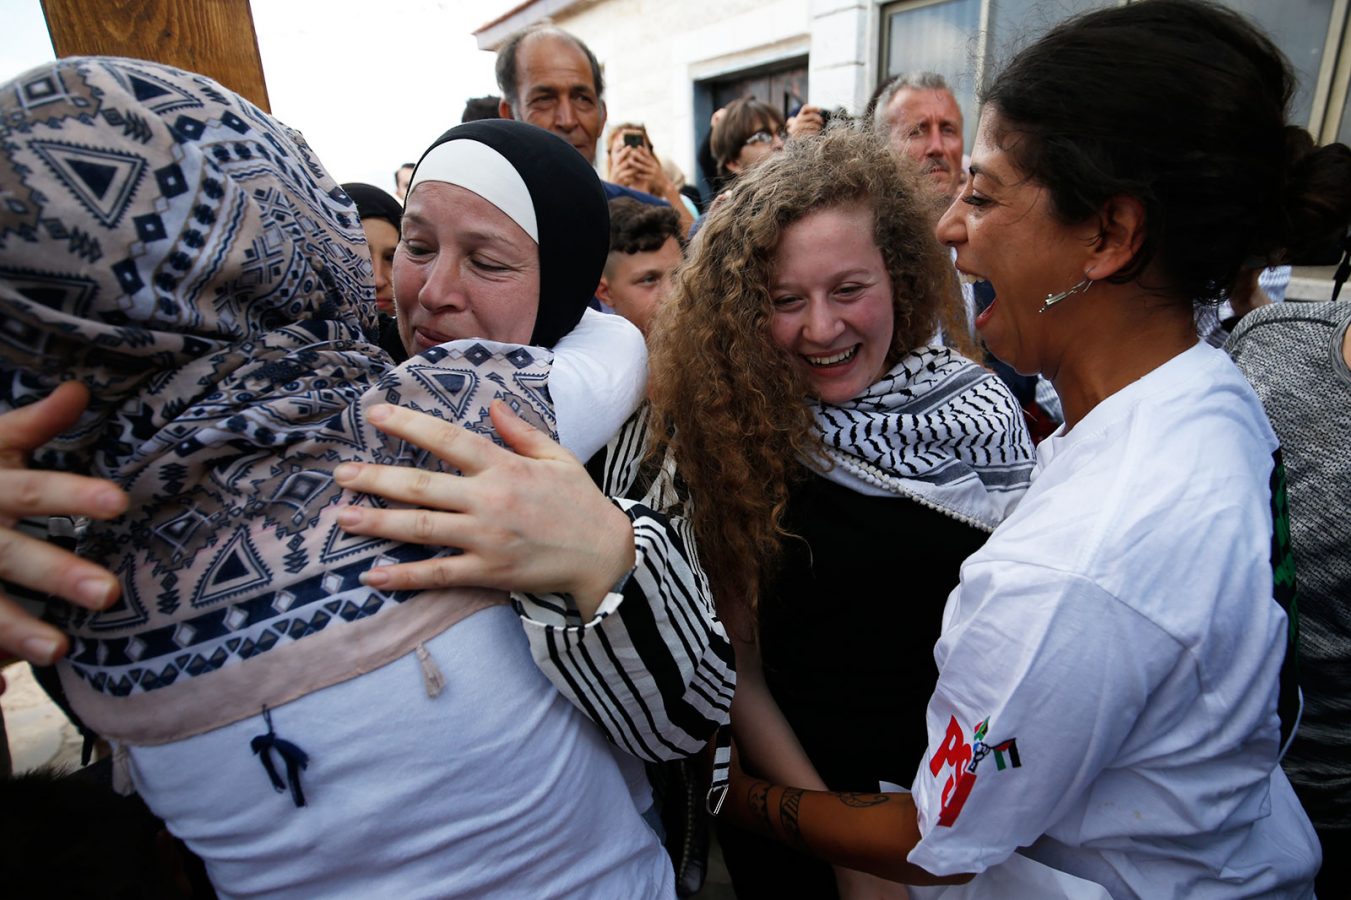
x=653 y=668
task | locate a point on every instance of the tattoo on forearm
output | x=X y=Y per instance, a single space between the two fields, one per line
x=757 y=798
x=862 y=801
x=788 y=806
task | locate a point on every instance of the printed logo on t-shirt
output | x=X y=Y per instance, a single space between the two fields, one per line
x=963 y=759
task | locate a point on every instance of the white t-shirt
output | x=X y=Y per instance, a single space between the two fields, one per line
x=497 y=787
x=598 y=379
x=1109 y=660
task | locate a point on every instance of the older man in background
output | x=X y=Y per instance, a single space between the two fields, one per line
x=551 y=79
x=924 y=122
x=921 y=117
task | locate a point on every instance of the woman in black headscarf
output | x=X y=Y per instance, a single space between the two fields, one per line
x=381 y=216
x=451 y=282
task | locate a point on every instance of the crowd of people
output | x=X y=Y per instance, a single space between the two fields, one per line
x=895 y=512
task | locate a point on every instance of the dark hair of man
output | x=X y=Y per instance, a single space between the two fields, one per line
x=743 y=118
x=508 y=81
x=1180 y=104
x=477 y=108
x=641 y=227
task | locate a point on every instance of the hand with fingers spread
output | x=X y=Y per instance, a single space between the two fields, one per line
x=526 y=521
x=634 y=167
x=32 y=563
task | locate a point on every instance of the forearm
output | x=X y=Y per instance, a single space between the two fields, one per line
x=764 y=738
x=614 y=557
x=870 y=832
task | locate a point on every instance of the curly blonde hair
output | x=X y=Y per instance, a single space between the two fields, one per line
x=729 y=403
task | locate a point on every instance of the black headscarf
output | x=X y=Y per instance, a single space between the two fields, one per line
x=571 y=212
x=373 y=203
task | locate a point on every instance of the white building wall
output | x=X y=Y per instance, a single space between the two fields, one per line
x=843 y=58
x=654 y=50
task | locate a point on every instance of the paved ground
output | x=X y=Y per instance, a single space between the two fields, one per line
x=39 y=734
x=718 y=885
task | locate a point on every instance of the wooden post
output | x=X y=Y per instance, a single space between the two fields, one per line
x=212 y=37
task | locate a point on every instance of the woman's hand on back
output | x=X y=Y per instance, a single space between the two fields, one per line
x=529 y=521
x=30 y=562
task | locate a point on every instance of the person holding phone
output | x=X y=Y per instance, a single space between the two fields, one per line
x=632 y=163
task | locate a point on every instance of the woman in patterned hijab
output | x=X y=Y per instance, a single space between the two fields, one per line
x=187 y=258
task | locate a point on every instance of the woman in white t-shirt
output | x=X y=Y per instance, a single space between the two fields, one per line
x=1110 y=665
x=1106 y=715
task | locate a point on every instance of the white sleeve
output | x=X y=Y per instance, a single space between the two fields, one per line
x=599 y=377
x=1275 y=281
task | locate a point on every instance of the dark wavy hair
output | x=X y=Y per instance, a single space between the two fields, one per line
x=637 y=227
x=1182 y=105
x=726 y=400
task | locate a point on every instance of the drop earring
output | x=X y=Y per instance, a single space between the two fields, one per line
x=1052 y=299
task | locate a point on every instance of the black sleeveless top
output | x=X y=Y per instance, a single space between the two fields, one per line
x=848 y=627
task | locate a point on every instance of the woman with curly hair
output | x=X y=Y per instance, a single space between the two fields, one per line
x=828 y=449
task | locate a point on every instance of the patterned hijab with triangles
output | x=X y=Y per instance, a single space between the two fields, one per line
x=187 y=257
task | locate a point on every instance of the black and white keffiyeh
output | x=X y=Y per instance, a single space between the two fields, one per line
x=936 y=428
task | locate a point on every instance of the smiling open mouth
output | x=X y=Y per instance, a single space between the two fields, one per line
x=834 y=359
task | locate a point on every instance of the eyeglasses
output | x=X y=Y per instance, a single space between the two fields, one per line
x=766 y=137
